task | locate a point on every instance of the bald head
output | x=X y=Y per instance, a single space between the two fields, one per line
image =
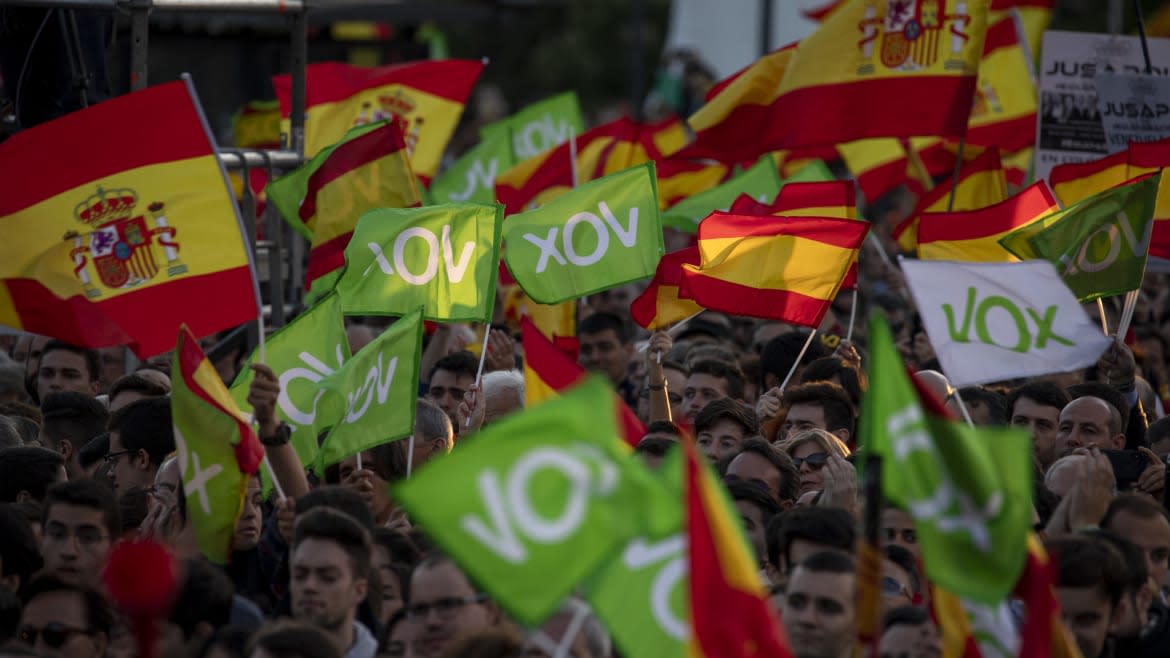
x=1062 y=475
x=1089 y=421
x=936 y=382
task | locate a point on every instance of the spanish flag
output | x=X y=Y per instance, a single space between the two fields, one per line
x=781 y=268
x=1035 y=15
x=428 y=96
x=1146 y=157
x=549 y=371
x=606 y=149
x=133 y=234
x=218 y=450
x=878 y=165
x=730 y=617
x=679 y=178
x=1004 y=111
x=974 y=235
x=981 y=183
x=879 y=69
x=1077 y=181
x=660 y=305
x=836 y=198
x=324 y=198
x=727 y=127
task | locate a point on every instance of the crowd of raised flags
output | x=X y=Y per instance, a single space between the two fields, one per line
x=137 y=240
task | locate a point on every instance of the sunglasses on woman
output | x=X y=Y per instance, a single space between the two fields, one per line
x=817 y=460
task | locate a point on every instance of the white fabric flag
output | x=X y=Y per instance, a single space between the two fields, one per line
x=995 y=321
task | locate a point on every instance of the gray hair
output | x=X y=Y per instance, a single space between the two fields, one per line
x=503 y=393
x=431 y=422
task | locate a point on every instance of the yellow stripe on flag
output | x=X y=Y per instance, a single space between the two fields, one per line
x=383 y=183
x=741 y=261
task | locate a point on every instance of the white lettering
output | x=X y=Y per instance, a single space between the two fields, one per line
x=602 y=239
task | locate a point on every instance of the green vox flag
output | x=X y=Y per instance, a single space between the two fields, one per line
x=442 y=258
x=1100 y=247
x=1019 y=241
x=602 y=234
x=538 y=501
x=302 y=353
x=540 y=126
x=761 y=182
x=642 y=592
x=375 y=393
x=969 y=489
x=472 y=179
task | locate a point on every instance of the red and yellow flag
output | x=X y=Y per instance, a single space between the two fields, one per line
x=974 y=235
x=606 y=149
x=1035 y=15
x=1004 y=112
x=679 y=179
x=981 y=183
x=880 y=69
x=428 y=96
x=730 y=618
x=727 y=127
x=879 y=165
x=218 y=449
x=1076 y=181
x=548 y=371
x=660 y=305
x=782 y=268
x=1147 y=157
x=122 y=247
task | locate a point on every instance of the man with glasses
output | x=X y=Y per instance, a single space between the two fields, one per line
x=444 y=606
x=60 y=620
x=329 y=565
x=449 y=380
x=80 y=522
x=141 y=437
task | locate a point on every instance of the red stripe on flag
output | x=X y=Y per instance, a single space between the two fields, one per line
x=328 y=82
x=785 y=305
x=910 y=106
x=327 y=257
x=669 y=272
x=1001 y=35
x=844 y=233
x=155 y=125
x=1030 y=203
x=1010 y=136
x=348 y=156
x=1076 y=170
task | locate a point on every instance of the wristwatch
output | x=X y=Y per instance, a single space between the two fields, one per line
x=281 y=436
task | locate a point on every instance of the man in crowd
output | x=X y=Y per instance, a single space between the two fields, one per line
x=756 y=509
x=1089 y=421
x=64 y=620
x=722 y=426
x=450 y=379
x=605 y=347
x=65 y=367
x=761 y=463
x=818 y=612
x=1036 y=406
x=1090 y=582
x=709 y=380
x=444 y=606
x=141 y=436
x=802 y=531
x=821 y=405
x=70 y=421
x=80 y=523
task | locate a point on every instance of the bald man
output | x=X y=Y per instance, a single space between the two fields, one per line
x=1089 y=421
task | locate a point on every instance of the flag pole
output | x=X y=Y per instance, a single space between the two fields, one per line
x=1141 y=21
x=1104 y=320
x=958 y=172
x=573 y=154
x=676 y=328
x=260 y=336
x=963 y=409
x=792 y=371
x=869 y=561
x=272 y=476
x=487 y=330
x=409 y=456
x=852 y=316
x=1131 y=298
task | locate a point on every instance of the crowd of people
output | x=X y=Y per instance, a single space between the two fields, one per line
x=87 y=460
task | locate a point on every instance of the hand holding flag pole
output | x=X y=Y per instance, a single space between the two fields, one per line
x=487 y=332
x=674 y=330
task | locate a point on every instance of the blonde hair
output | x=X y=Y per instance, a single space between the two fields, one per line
x=827 y=441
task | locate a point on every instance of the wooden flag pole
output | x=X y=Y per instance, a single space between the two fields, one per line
x=1104 y=320
x=963 y=409
x=852 y=316
x=792 y=371
x=409 y=456
x=272 y=476
x=1131 y=298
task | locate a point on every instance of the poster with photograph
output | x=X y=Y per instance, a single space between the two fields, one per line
x=1134 y=108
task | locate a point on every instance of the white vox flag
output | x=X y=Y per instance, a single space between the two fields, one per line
x=995 y=321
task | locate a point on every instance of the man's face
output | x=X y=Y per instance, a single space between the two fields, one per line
x=1041 y=421
x=1151 y=535
x=251 y=518
x=113 y=361
x=753 y=526
x=391 y=588
x=906 y=641
x=128 y=469
x=603 y=352
x=1087 y=613
x=750 y=467
x=803 y=417
x=324 y=589
x=63 y=370
x=447 y=389
x=75 y=543
x=1084 y=423
x=818 y=613
x=720 y=439
x=450 y=610
x=59 y=618
x=898 y=529
x=700 y=390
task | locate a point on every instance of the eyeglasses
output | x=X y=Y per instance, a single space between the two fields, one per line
x=113 y=457
x=54 y=634
x=908 y=535
x=438 y=392
x=891 y=587
x=815 y=461
x=444 y=608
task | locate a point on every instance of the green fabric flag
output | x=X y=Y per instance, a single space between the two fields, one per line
x=761 y=182
x=302 y=353
x=374 y=393
x=442 y=258
x=538 y=501
x=642 y=593
x=969 y=489
x=217 y=450
x=1100 y=248
x=472 y=179
x=1019 y=241
x=539 y=127
x=602 y=234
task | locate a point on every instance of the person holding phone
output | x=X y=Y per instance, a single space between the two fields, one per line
x=1092 y=422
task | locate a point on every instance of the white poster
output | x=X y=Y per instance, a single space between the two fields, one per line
x=1069 y=121
x=1134 y=108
